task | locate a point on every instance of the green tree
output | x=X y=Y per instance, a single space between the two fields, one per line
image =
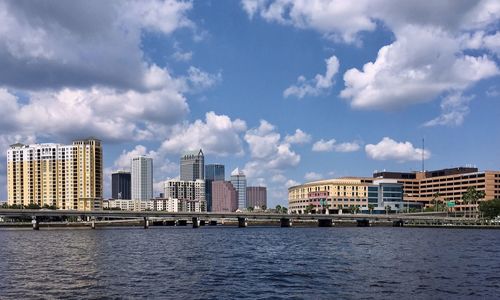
x=472 y=196
x=263 y=207
x=32 y=206
x=309 y=208
x=490 y=209
x=371 y=207
x=284 y=210
x=387 y=209
x=250 y=208
x=278 y=209
x=436 y=200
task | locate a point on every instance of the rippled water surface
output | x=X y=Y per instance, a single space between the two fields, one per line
x=256 y=263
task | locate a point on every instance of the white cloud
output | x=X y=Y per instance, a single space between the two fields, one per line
x=182 y=56
x=316 y=86
x=269 y=153
x=312 y=176
x=389 y=149
x=454 y=108
x=299 y=137
x=331 y=145
x=106 y=113
x=291 y=182
x=323 y=146
x=80 y=44
x=413 y=69
x=199 y=80
x=218 y=134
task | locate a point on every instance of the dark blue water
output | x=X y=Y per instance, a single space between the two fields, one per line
x=256 y=263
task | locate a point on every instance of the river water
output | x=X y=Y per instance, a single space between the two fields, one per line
x=252 y=263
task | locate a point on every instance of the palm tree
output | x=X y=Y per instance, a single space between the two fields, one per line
x=250 y=208
x=387 y=209
x=309 y=208
x=278 y=208
x=371 y=207
x=436 y=200
x=472 y=196
x=263 y=207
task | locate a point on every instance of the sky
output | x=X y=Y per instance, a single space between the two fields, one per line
x=288 y=91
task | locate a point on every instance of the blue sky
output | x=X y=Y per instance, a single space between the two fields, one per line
x=289 y=91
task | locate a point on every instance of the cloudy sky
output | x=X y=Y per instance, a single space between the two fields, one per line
x=289 y=91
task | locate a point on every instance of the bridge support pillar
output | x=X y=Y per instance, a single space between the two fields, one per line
x=92 y=224
x=213 y=223
x=181 y=222
x=203 y=222
x=196 y=222
x=146 y=223
x=242 y=222
x=397 y=223
x=285 y=222
x=36 y=224
x=325 y=222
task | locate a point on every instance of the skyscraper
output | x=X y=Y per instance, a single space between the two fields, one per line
x=239 y=181
x=192 y=166
x=224 y=197
x=65 y=176
x=121 y=185
x=213 y=172
x=142 y=178
x=256 y=196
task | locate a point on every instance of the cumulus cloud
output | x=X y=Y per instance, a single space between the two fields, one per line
x=218 y=134
x=311 y=176
x=82 y=43
x=299 y=137
x=429 y=57
x=107 y=113
x=413 y=70
x=332 y=145
x=454 y=108
x=389 y=149
x=316 y=86
x=268 y=151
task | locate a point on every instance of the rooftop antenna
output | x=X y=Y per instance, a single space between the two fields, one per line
x=423 y=152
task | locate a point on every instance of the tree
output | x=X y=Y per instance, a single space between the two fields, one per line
x=387 y=209
x=32 y=206
x=490 y=209
x=436 y=200
x=371 y=207
x=278 y=209
x=471 y=196
x=309 y=208
x=250 y=208
x=284 y=210
x=263 y=207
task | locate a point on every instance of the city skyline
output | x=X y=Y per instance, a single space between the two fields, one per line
x=288 y=95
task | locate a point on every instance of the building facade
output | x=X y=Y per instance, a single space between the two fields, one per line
x=239 y=181
x=121 y=185
x=224 y=197
x=190 y=194
x=445 y=185
x=192 y=166
x=213 y=172
x=333 y=194
x=142 y=178
x=384 y=195
x=64 y=176
x=164 y=204
x=256 y=196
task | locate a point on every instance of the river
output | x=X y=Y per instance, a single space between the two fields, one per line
x=251 y=263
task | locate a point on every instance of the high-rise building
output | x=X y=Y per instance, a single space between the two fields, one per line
x=121 y=185
x=190 y=194
x=256 y=196
x=142 y=178
x=224 y=197
x=65 y=176
x=192 y=166
x=239 y=181
x=213 y=172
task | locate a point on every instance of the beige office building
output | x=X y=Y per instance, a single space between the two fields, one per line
x=65 y=176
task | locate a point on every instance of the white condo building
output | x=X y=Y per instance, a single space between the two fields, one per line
x=190 y=194
x=142 y=178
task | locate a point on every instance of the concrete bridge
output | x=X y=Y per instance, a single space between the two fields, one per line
x=201 y=218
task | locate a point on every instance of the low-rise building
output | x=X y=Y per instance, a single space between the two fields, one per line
x=190 y=194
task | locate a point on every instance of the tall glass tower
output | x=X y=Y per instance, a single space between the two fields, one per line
x=239 y=181
x=213 y=172
x=192 y=166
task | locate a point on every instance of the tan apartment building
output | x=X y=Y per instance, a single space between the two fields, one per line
x=65 y=176
x=332 y=193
